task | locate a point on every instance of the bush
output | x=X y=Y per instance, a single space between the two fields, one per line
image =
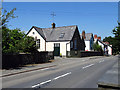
x=97 y=47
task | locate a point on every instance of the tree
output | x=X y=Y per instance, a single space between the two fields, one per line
x=15 y=41
x=116 y=32
x=114 y=41
x=27 y=45
x=7 y=16
x=97 y=47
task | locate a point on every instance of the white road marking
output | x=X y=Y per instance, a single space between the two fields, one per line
x=45 y=69
x=45 y=82
x=88 y=66
x=35 y=85
x=41 y=83
x=62 y=76
x=101 y=61
x=38 y=85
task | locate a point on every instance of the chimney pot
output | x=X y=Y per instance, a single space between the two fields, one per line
x=53 y=25
x=95 y=36
x=83 y=34
x=99 y=38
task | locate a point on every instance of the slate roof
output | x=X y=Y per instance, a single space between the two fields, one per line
x=87 y=36
x=39 y=30
x=51 y=34
x=104 y=43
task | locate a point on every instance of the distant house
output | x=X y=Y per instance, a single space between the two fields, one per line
x=89 y=40
x=57 y=39
x=106 y=47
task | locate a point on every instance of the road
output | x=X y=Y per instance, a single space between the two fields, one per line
x=73 y=73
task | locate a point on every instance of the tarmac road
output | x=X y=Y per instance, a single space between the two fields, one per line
x=68 y=73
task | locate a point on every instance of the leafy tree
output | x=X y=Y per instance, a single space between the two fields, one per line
x=116 y=32
x=108 y=39
x=114 y=41
x=27 y=44
x=97 y=47
x=7 y=16
x=15 y=41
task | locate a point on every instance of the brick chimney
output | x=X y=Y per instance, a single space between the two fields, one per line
x=83 y=34
x=53 y=25
x=99 y=38
x=95 y=36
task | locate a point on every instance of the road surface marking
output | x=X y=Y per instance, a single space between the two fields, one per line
x=88 y=66
x=45 y=82
x=36 y=85
x=45 y=69
x=41 y=83
x=62 y=76
x=101 y=61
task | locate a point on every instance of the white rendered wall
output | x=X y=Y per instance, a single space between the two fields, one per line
x=63 y=47
x=36 y=34
x=109 y=50
x=68 y=46
x=87 y=44
x=101 y=45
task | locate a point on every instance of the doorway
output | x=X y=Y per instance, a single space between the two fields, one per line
x=56 y=49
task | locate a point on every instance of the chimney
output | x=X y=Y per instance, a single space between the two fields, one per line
x=99 y=38
x=95 y=36
x=83 y=34
x=53 y=25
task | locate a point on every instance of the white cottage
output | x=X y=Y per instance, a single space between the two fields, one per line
x=105 y=45
x=89 y=41
x=57 y=39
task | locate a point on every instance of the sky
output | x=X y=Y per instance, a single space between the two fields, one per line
x=94 y=17
x=61 y=0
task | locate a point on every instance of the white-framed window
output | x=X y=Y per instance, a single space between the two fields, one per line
x=38 y=43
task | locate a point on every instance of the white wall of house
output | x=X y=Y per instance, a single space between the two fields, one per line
x=101 y=44
x=68 y=46
x=95 y=40
x=42 y=41
x=109 y=50
x=87 y=44
x=63 y=47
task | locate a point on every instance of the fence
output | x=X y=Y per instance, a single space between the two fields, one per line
x=83 y=53
x=13 y=61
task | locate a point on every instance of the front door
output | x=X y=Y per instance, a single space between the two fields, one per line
x=56 y=49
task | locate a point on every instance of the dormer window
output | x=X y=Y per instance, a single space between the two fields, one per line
x=61 y=35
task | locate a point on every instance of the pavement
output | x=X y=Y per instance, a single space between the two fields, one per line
x=111 y=78
x=68 y=73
